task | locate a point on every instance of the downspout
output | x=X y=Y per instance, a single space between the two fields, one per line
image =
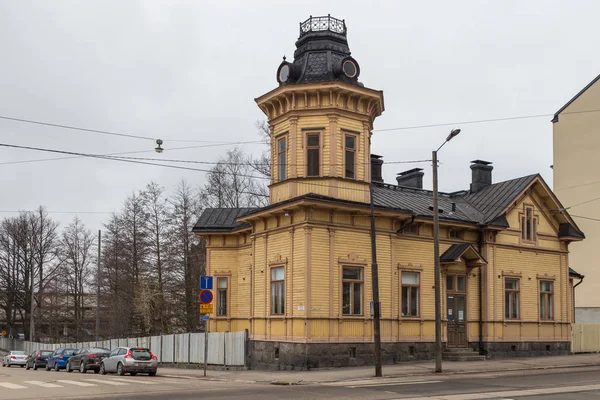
x=480 y=249
x=578 y=283
x=406 y=224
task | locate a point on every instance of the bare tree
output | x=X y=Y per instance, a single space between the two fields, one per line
x=230 y=183
x=75 y=254
x=155 y=206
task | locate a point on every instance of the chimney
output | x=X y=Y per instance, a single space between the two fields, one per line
x=376 y=163
x=481 y=176
x=412 y=178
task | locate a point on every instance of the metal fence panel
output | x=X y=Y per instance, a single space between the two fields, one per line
x=235 y=348
x=132 y=342
x=168 y=345
x=155 y=347
x=216 y=348
x=585 y=338
x=197 y=348
x=182 y=348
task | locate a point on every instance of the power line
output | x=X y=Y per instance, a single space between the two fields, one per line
x=117 y=159
x=77 y=128
x=589 y=218
x=131 y=152
x=478 y=121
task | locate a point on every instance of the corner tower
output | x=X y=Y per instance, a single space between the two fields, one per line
x=321 y=118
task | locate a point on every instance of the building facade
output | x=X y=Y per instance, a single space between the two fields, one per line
x=576 y=145
x=297 y=273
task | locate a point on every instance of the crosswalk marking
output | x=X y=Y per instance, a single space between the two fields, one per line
x=9 y=385
x=143 y=381
x=76 y=383
x=107 y=382
x=392 y=384
x=43 y=384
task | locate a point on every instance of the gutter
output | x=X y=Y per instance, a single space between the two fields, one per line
x=480 y=290
x=578 y=283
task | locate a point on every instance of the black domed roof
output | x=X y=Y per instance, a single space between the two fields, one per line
x=322 y=54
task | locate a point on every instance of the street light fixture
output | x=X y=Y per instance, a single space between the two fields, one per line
x=436 y=256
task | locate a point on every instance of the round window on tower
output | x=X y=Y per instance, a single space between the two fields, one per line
x=350 y=68
x=284 y=73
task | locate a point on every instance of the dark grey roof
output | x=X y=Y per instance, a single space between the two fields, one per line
x=221 y=219
x=492 y=200
x=418 y=201
x=575 y=274
x=321 y=50
x=454 y=252
x=555 y=119
x=567 y=230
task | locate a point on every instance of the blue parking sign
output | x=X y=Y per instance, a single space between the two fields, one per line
x=206 y=282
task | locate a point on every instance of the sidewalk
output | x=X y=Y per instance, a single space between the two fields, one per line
x=408 y=369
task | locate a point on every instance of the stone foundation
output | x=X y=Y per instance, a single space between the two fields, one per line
x=306 y=356
x=496 y=350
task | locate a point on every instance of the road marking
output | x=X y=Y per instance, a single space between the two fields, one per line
x=511 y=393
x=107 y=382
x=382 y=383
x=76 y=383
x=43 y=384
x=9 y=385
x=143 y=381
x=374 y=381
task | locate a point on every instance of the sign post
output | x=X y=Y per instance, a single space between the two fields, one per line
x=206 y=308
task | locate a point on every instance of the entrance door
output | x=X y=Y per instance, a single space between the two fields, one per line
x=456 y=310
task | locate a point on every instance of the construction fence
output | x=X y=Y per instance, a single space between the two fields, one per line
x=224 y=348
x=585 y=338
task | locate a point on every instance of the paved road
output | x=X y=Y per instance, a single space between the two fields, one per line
x=577 y=384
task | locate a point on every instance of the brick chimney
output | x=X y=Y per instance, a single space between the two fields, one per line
x=376 y=164
x=412 y=178
x=481 y=175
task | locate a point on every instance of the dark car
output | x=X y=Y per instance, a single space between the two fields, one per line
x=58 y=359
x=38 y=359
x=86 y=359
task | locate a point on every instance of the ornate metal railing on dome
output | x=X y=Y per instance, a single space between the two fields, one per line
x=317 y=24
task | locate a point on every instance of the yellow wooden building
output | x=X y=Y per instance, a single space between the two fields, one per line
x=296 y=274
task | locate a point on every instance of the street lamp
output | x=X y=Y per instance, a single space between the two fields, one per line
x=436 y=256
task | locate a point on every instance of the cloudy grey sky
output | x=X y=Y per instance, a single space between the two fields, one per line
x=189 y=71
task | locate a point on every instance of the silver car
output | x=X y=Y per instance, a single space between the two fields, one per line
x=130 y=360
x=15 y=357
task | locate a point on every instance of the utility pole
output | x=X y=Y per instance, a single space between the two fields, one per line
x=98 y=288
x=32 y=309
x=436 y=269
x=375 y=283
x=436 y=256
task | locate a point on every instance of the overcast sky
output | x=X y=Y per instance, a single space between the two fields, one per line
x=190 y=70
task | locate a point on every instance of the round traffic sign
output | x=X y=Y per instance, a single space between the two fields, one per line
x=206 y=296
x=3 y=333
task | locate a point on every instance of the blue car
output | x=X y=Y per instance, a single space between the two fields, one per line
x=58 y=359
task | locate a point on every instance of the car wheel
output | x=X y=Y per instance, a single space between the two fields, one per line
x=22 y=366
x=68 y=367
x=153 y=373
x=48 y=367
x=56 y=367
x=35 y=367
x=120 y=369
x=102 y=369
x=27 y=367
x=82 y=368
x=133 y=373
x=96 y=371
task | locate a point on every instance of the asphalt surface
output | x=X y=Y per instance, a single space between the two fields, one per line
x=573 y=383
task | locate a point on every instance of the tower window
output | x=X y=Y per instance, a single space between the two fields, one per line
x=281 y=158
x=350 y=145
x=313 y=148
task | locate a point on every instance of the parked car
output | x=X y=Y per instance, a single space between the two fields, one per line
x=38 y=359
x=130 y=360
x=87 y=359
x=58 y=359
x=15 y=357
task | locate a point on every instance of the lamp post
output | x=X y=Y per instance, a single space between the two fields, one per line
x=436 y=256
